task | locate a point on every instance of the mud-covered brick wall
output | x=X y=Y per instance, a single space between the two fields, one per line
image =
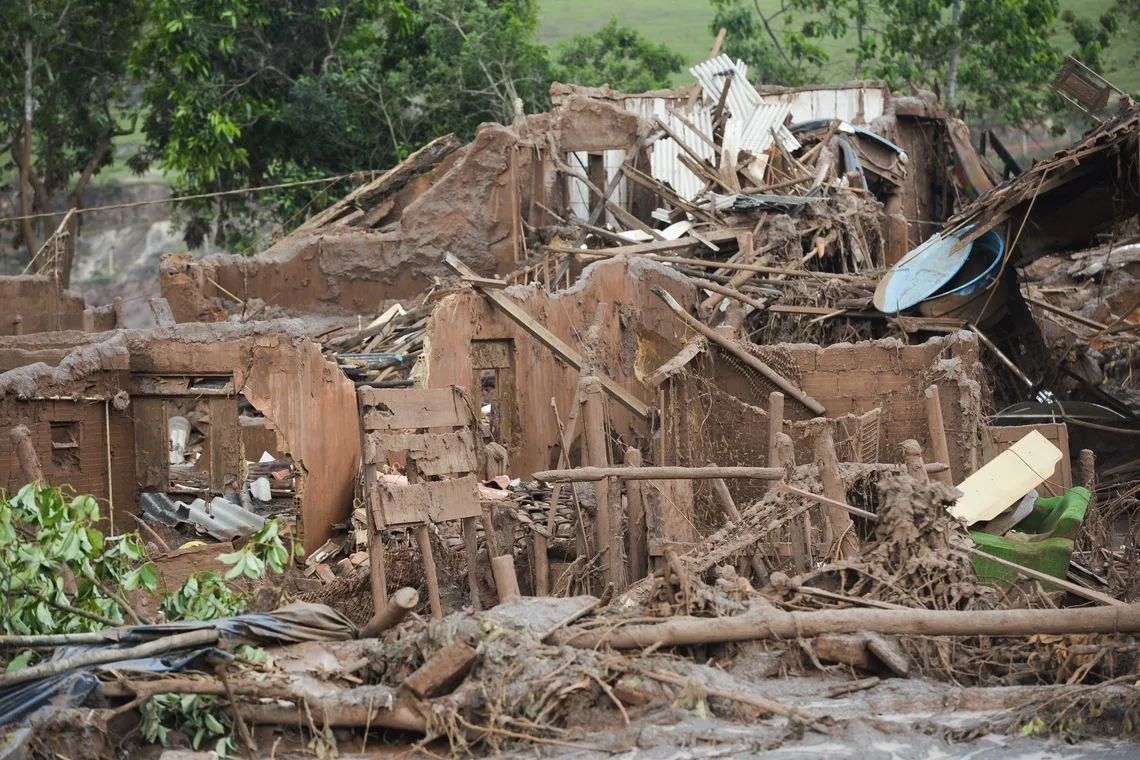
x=313 y=407
x=475 y=205
x=856 y=378
x=35 y=304
x=611 y=316
x=849 y=379
x=70 y=439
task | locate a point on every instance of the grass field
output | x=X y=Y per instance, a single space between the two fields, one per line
x=684 y=26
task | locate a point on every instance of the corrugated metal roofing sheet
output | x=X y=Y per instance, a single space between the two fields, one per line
x=663 y=156
x=742 y=102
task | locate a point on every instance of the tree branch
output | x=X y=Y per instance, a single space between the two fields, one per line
x=765 y=20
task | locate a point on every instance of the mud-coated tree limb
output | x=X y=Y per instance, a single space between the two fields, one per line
x=203 y=637
x=771 y=623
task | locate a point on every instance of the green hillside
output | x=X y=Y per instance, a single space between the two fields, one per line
x=684 y=26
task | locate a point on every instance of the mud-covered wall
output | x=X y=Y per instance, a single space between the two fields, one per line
x=35 y=303
x=308 y=400
x=313 y=407
x=475 y=205
x=71 y=441
x=610 y=316
x=848 y=379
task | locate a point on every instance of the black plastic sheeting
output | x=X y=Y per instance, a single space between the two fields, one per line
x=63 y=690
x=289 y=625
x=292 y=624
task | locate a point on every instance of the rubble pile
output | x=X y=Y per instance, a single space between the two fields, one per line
x=721 y=418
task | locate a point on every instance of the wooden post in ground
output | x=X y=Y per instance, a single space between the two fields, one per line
x=1086 y=470
x=800 y=527
x=506 y=582
x=608 y=514
x=471 y=549
x=840 y=527
x=376 y=563
x=915 y=467
x=541 y=561
x=775 y=427
x=423 y=540
x=727 y=505
x=938 y=445
x=638 y=530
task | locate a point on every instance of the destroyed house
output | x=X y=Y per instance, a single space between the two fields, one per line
x=100 y=412
x=650 y=402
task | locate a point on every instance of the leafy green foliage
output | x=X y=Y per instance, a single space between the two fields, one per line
x=52 y=557
x=252 y=92
x=617 y=56
x=63 y=69
x=996 y=56
x=49 y=542
x=198 y=716
x=784 y=44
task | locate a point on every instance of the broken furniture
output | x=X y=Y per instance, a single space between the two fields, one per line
x=1042 y=541
x=433 y=432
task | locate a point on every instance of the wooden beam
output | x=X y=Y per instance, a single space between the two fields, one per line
x=638 y=530
x=547 y=338
x=937 y=428
x=773 y=623
x=591 y=474
x=776 y=378
x=708 y=264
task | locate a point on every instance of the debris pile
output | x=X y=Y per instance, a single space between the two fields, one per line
x=697 y=408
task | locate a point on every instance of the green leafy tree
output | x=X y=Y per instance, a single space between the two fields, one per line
x=618 y=56
x=783 y=43
x=63 y=100
x=993 y=55
x=236 y=94
x=251 y=92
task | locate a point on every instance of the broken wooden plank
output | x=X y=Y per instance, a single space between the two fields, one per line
x=591 y=474
x=443 y=672
x=417 y=163
x=434 y=501
x=414 y=408
x=1006 y=478
x=688 y=352
x=752 y=361
x=435 y=453
x=547 y=338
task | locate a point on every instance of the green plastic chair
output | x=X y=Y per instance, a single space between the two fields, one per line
x=1043 y=541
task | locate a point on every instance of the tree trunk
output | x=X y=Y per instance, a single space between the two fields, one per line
x=26 y=158
x=952 y=71
x=770 y=623
x=75 y=201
